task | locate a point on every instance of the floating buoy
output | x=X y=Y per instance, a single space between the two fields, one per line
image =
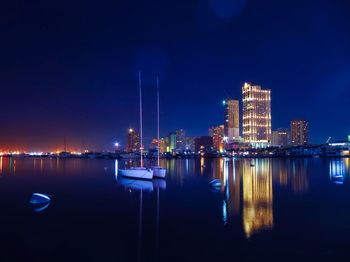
x=39 y=202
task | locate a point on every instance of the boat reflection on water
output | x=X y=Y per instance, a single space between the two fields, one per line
x=337 y=171
x=148 y=186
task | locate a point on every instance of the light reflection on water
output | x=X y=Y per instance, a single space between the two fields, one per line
x=270 y=200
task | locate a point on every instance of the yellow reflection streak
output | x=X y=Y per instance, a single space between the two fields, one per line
x=257 y=197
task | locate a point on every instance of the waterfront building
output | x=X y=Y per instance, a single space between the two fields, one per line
x=217 y=134
x=162 y=145
x=154 y=143
x=280 y=137
x=299 y=132
x=132 y=141
x=180 y=140
x=231 y=119
x=171 y=146
x=203 y=143
x=190 y=144
x=256 y=115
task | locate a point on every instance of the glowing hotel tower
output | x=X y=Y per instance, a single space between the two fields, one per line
x=256 y=115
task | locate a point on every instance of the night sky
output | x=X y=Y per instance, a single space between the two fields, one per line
x=69 y=68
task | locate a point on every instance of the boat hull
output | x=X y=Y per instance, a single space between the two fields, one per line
x=158 y=172
x=136 y=173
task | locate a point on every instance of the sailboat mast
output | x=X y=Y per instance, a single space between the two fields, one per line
x=158 y=121
x=141 y=135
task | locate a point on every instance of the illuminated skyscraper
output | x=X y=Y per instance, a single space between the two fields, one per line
x=299 y=132
x=132 y=141
x=256 y=115
x=231 y=119
x=217 y=133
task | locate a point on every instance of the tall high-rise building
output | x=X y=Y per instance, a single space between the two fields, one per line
x=171 y=142
x=132 y=141
x=299 y=132
x=217 y=133
x=280 y=137
x=231 y=119
x=180 y=140
x=256 y=115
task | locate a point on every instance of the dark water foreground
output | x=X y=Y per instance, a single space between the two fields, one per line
x=277 y=210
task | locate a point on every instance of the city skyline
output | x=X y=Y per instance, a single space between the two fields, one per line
x=70 y=70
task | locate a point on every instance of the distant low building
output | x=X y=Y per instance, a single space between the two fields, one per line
x=154 y=143
x=162 y=145
x=132 y=141
x=190 y=144
x=180 y=140
x=217 y=134
x=280 y=137
x=203 y=143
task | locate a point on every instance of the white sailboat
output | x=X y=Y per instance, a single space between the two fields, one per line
x=138 y=172
x=158 y=171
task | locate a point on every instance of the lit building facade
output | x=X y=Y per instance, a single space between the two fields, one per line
x=190 y=144
x=162 y=145
x=256 y=115
x=231 y=119
x=154 y=143
x=280 y=137
x=299 y=132
x=217 y=133
x=180 y=140
x=171 y=145
x=132 y=141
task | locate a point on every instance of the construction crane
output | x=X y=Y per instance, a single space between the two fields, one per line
x=329 y=139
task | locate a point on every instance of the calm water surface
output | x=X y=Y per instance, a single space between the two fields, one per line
x=278 y=209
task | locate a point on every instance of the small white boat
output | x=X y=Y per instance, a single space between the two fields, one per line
x=158 y=171
x=137 y=172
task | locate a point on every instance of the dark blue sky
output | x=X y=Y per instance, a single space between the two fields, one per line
x=69 y=67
